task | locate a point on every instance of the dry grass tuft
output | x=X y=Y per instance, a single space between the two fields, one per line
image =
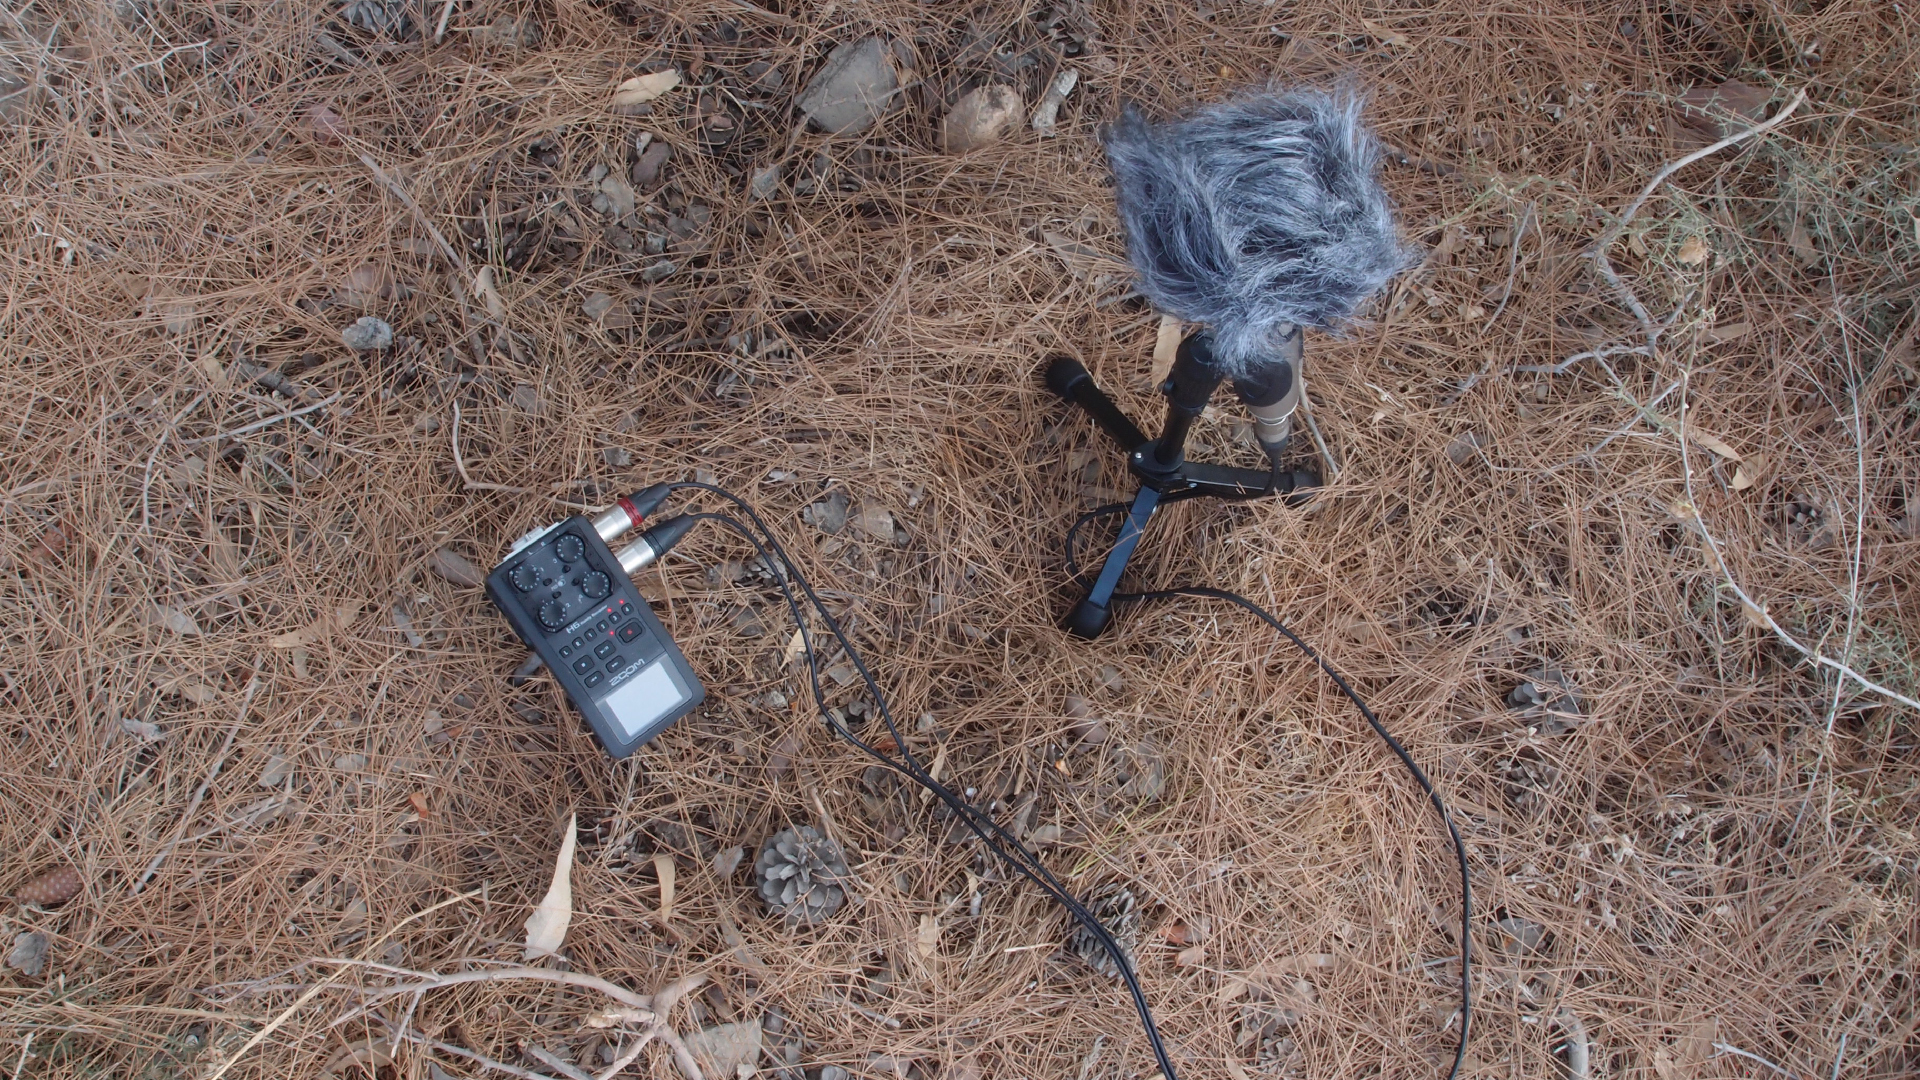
x=1711 y=864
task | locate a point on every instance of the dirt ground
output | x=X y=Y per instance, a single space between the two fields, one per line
x=1645 y=611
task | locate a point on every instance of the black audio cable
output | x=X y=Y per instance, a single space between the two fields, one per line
x=997 y=839
x=990 y=833
x=1399 y=751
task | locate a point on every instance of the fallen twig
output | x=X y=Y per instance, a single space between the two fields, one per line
x=555 y=1062
x=219 y=761
x=247 y=429
x=440 y=31
x=314 y=991
x=1513 y=261
x=146 y=477
x=1579 y=1049
x=1614 y=231
x=1754 y=612
x=627 y=1056
x=508 y=974
x=1755 y=1058
x=461 y=465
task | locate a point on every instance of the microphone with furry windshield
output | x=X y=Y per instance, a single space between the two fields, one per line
x=1254 y=218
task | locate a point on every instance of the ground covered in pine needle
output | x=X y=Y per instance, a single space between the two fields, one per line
x=1620 y=538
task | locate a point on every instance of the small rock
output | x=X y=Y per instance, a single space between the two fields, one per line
x=877 y=522
x=366 y=285
x=834 y=1072
x=367 y=334
x=1110 y=677
x=1143 y=771
x=140 y=729
x=646 y=168
x=981 y=117
x=765 y=183
x=658 y=270
x=853 y=88
x=602 y=308
x=450 y=565
x=616 y=456
x=1464 y=447
x=516 y=33
x=830 y=514
x=29 y=955
x=1519 y=937
x=780 y=762
x=1089 y=728
x=528 y=400
x=1046 y=116
x=620 y=195
x=726 y=1049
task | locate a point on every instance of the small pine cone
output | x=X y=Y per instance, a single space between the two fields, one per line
x=802 y=875
x=1114 y=905
x=51 y=888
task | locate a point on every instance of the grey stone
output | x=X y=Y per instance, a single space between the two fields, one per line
x=367 y=334
x=29 y=955
x=853 y=89
x=830 y=513
x=765 y=183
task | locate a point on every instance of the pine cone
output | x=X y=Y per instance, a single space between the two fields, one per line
x=51 y=888
x=802 y=875
x=1113 y=904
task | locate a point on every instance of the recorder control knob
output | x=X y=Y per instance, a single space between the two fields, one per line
x=595 y=584
x=553 y=614
x=568 y=549
x=525 y=577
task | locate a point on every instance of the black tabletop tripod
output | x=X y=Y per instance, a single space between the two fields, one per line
x=1161 y=464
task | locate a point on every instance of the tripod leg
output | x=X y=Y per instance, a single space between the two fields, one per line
x=1091 y=615
x=1067 y=378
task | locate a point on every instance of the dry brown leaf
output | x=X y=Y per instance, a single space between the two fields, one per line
x=927 y=942
x=320 y=629
x=1756 y=616
x=1800 y=242
x=547 y=926
x=418 y=800
x=1748 y=473
x=644 y=88
x=1713 y=443
x=168 y=617
x=1733 y=331
x=1697 y=1048
x=663 y=869
x=325 y=124
x=489 y=294
x=1191 y=956
x=1384 y=34
x=1693 y=251
x=796 y=648
x=1166 y=346
x=454 y=567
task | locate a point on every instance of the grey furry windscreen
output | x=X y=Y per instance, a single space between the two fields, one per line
x=1254 y=214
